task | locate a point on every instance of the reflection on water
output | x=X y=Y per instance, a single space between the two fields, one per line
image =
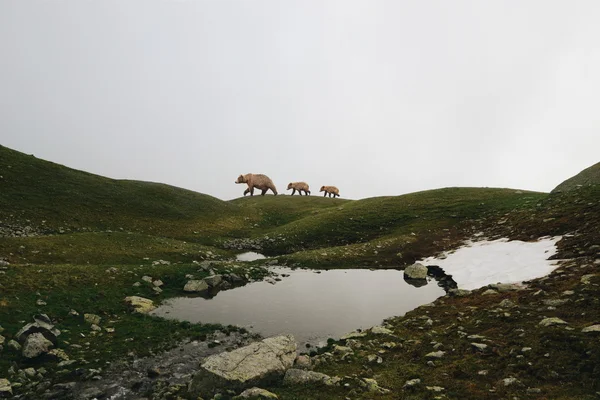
x=249 y=256
x=311 y=306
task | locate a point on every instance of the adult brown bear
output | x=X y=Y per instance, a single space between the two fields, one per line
x=258 y=181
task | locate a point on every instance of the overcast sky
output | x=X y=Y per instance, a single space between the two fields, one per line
x=375 y=97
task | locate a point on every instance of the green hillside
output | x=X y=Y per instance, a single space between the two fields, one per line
x=49 y=197
x=587 y=177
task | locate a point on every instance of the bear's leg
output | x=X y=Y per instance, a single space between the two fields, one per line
x=324 y=194
x=308 y=192
x=263 y=191
x=293 y=191
x=246 y=191
x=251 y=191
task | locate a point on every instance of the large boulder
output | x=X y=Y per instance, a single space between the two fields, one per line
x=41 y=325
x=35 y=345
x=140 y=304
x=196 y=286
x=415 y=271
x=255 y=364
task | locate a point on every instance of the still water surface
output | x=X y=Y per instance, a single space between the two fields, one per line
x=312 y=306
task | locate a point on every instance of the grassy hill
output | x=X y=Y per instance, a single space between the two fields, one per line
x=587 y=177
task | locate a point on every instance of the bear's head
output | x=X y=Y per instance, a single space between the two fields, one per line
x=322 y=189
x=241 y=179
x=289 y=186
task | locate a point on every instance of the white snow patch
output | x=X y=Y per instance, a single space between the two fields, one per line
x=485 y=262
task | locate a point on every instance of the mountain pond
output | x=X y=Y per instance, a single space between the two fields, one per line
x=315 y=305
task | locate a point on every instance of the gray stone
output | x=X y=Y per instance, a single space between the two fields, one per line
x=509 y=381
x=39 y=326
x=415 y=271
x=302 y=362
x=352 y=335
x=214 y=280
x=92 y=319
x=591 y=329
x=435 y=354
x=459 y=292
x=507 y=303
x=5 y=388
x=372 y=386
x=256 y=392
x=295 y=376
x=13 y=344
x=380 y=330
x=506 y=287
x=259 y=362
x=555 y=302
x=552 y=321
x=158 y=283
x=139 y=304
x=35 y=345
x=196 y=286
x=480 y=346
x=412 y=383
x=586 y=279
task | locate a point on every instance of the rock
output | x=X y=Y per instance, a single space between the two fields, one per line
x=534 y=390
x=342 y=351
x=244 y=367
x=147 y=278
x=235 y=278
x=196 y=286
x=412 y=383
x=435 y=354
x=256 y=392
x=40 y=302
x=480 y=346
x=589 y=329
x=13 y=344
x=302 y=362
x=459 y=292
x=509 y=381
x=372 y=386
x=380 y=330
x=73 y=313
x=59 y=354
x=92 y=319
x=35 y=345
x=2 y=339
x=5 y=388
x=39 y=326
x=435 y=388
x=140 y=304
x=506 y=287
x=507 y=303
x=552 y=321
x=157 y=283
x=352 y=335
x=96 y=328
x=214 y=280
x=415 y=271
x=295 y=376
x=586 y=279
